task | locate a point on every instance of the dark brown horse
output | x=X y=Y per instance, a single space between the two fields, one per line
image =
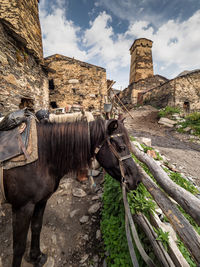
x=62 y=148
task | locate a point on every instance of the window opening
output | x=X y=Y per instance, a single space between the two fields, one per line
x=53 y=104
x=51 y=85
x=27 y=103
x=186 y=106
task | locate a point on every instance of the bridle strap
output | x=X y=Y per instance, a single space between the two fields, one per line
x=116 y=135
x=120 y=159
x=113 y=150
x=125 y=157
x=96 y=151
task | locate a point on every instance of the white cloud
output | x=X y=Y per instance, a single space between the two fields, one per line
x=111 y=51
x=60 y=36
x=60 y=3
x=155 y=11
x=175 y=43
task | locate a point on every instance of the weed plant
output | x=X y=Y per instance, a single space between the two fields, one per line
x=140 y=200
x=192 y=121
x=168 y=111
x=113 y=223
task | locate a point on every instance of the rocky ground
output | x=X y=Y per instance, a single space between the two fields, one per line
x=181 y=150
x=71 y=230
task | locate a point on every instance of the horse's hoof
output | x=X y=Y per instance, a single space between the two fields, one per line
x=41 y=260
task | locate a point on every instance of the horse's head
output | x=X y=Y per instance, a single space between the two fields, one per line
x=114 y=156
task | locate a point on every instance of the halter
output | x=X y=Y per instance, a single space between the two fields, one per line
x=113 y=150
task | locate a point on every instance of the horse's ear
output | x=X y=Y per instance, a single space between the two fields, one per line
x=112 y=125
x=122 y=120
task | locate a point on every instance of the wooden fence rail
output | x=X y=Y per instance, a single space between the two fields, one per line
x=180 y=224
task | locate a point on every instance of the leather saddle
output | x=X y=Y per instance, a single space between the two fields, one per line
x=14 y=142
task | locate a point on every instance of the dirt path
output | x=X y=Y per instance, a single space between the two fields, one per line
x=178 y=148
x=71 y=228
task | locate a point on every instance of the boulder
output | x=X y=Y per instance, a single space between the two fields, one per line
x=167 y=122
x=146 y=141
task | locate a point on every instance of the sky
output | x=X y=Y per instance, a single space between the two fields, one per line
x=101 y=32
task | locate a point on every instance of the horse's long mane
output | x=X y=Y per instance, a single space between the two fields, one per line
x=70 y=146
x=65 y=145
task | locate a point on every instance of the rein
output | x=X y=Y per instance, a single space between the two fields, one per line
x=117 y=155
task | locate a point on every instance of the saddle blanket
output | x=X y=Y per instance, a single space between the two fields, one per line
x=31 y=150
x=22 y=159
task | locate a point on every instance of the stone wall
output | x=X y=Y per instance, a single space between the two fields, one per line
x=177 y=92
x=21 y=17
x=23 y=81
x=141 y=60
x=130 y=95
x=76 y=82
x=160 y=96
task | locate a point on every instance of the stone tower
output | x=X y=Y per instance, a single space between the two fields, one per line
x=23 y=76
x=141 y=60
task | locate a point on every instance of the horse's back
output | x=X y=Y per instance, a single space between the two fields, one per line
x=71 y=117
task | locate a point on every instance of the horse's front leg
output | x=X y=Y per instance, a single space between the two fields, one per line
x=36 y=255
x=20 y=221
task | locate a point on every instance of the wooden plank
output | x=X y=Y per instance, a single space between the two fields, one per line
x=185 y=199
x=180 y=224
x=157 y=246
x=174 y=251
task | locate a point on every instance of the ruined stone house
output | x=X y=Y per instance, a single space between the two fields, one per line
x=147 y=88
x=23 y=77
x=76 y=83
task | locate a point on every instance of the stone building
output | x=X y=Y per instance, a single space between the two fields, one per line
x=76 y=82
x=182 y=91
x=141 y=72
x=26 y=79
x=141 y=60
x=23 y=77
x=133 y=94
x=147 y=88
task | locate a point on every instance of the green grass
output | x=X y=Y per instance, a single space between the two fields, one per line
x=140 y=200
x=185 y=253
x=192 y=121
x=113 y=224
x=187 y=185
x=163 y=237
x=168 y=111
